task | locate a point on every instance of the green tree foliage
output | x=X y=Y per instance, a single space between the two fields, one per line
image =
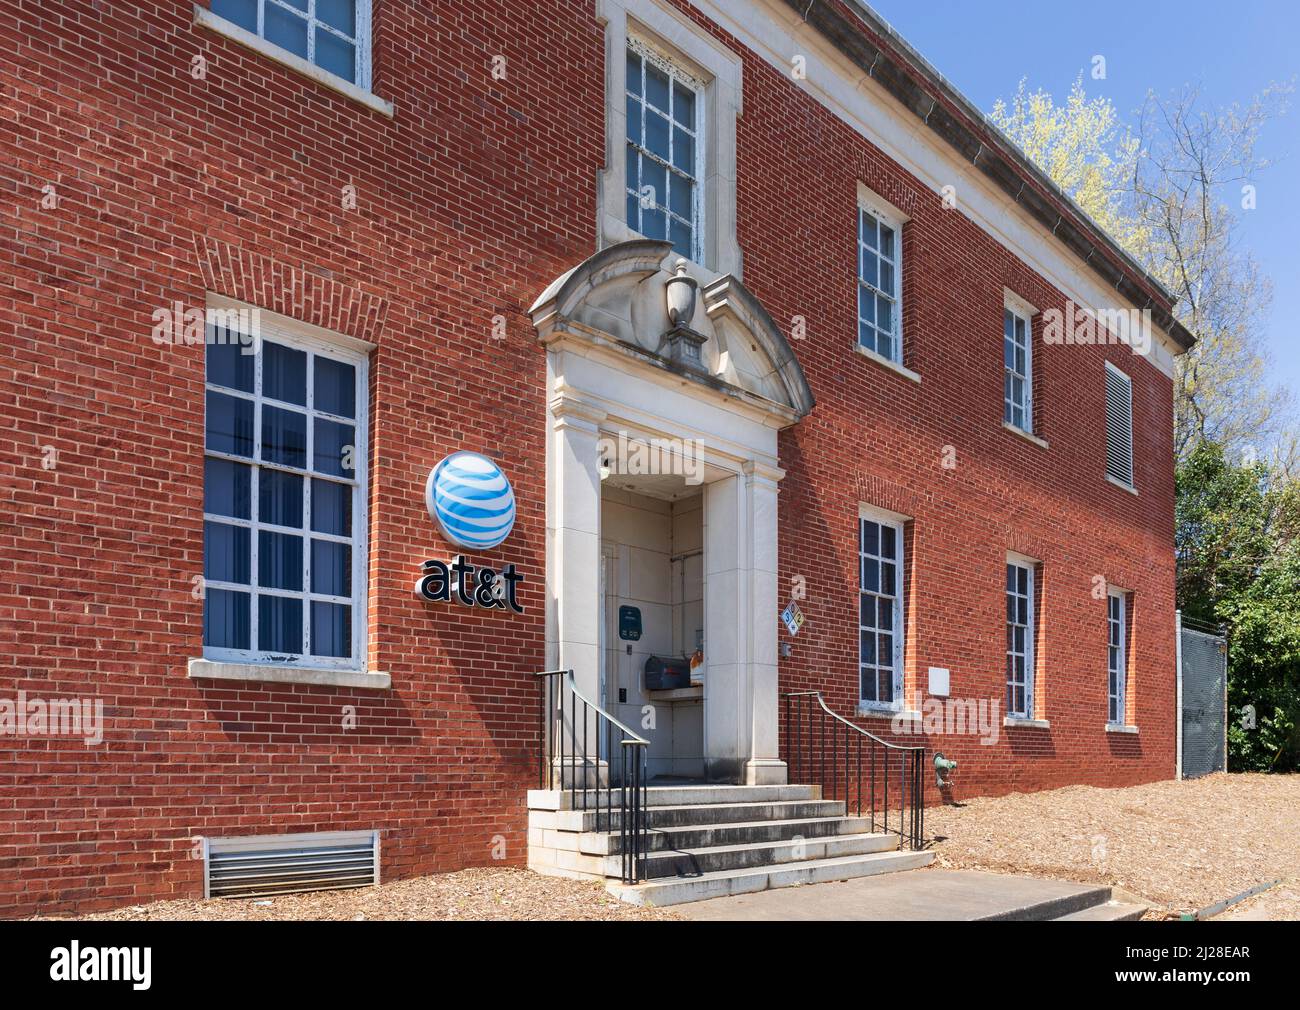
x=1238 y=542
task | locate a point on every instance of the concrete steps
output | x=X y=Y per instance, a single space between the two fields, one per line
x=710 y=841
x=1109 y=911
x=676 y=890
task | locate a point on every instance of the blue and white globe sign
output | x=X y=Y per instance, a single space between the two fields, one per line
x=471 y=500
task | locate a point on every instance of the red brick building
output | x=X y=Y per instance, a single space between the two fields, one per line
x=457 y=227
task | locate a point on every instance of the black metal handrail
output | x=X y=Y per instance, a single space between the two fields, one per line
x=809 y=763
x=561 y=758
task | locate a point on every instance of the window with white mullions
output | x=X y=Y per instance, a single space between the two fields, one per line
x=1017 y=360
x=1116 y=656
x=283 y=555
x=880 y=612
x=1020 y=640
x=332 y=34
x=879 y=284
x=663 y=150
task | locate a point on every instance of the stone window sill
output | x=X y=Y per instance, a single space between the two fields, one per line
x=1121 y=485
x=207 y=669
x=204 y=18
x=1023 y=723
x=1112 y=727
x=873 y=712
x=1026 y=435
x=893 y=366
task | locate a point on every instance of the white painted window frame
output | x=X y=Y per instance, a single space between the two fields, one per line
x=313 y=340
x=1117 y=696
x=1131 y=483
x=677 y=74
x=1031 y=633
x=883 y=518
x=1019 y=312
x=720 y=103
x=874 y=206
x=360 y=88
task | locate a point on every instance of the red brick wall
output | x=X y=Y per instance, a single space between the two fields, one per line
x=469 y=202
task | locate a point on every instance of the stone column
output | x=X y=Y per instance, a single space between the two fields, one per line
x=741 y=702
x=573 y=555
x=763 y=765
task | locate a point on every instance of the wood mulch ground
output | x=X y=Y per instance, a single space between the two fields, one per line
x=1179 y=846
x=488 y=893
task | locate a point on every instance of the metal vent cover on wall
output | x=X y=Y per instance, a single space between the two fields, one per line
x=266 y=865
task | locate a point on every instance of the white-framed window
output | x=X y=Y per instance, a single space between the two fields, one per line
x=1116 y=655
x=284 y=536
x=880 y=281
x=1119 y=426
x=1017 y=368
x=1020 y=638
x=880 y=611
x=664 y=150
x=332 y=34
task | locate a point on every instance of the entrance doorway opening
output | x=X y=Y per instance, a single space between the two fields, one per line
x=652 y=596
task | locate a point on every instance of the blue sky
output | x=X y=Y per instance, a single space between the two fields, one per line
x=1233 y=51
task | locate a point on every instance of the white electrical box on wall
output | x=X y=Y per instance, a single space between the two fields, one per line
x=939 y=681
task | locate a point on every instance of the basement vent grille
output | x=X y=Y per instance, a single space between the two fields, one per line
x=266 y=865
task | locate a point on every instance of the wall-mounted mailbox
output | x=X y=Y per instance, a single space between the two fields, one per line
x=629 y=624
x=664 y=673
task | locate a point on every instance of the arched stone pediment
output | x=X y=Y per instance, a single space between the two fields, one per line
x=618 y=298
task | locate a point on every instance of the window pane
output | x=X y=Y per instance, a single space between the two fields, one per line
x=331 y=507
x=334 y=448
x=653 y=224
x=684 y=151
x=284 y=373
x=868 y=647
x=340 y=14
x=868 y=229
x=230 y=424
x=869 y=684
x=335 y=389
x=682 y=238
x=633 y=121
x=870 y=537
x=888 y=542
x=279 y=498
x=656 y=87
x=279 y=560
x=886 y=277
x=284 y=436
x=886 y=241
x=884 y=313
x=683 y=105
x=241 y=12
x=633 y=72
x=867 y=336
x=870 y=269
x=226 y=553
x=655 y=176
x=867 y=612
x=886 y=617
x=279 y=624
x=633 y=212
x=331 y=629
x=680 y=192
x=335 y=55
x=331 y=568
x=227 y=488
x=227 y=363
x=886 y=680
x=866 y=304
x=885 y=346
x=285 y=29
x=871 y=575
x=226 y=622
x=656 y=134
x=887 y=577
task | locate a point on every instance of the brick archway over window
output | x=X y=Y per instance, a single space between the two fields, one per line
x=290 y=290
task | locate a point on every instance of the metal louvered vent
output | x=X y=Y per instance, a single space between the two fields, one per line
x=1119 y=425
x=264 y=865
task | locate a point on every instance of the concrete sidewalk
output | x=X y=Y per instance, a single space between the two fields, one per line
x=952 y=895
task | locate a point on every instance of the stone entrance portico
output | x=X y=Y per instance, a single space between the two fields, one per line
x=620 y=363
